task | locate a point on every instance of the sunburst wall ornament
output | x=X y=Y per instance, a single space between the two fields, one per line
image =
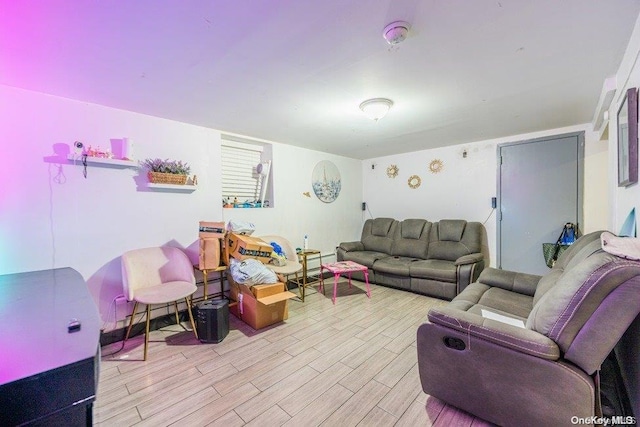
x=392 y=171
x=414 y=181
x=436 y=166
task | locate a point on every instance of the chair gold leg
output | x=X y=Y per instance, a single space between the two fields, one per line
x=221 y=284
x=193 y=324
x=175 y=306
x=299 y=289
x=146 y=332
x=133 y=313
x=204 y=283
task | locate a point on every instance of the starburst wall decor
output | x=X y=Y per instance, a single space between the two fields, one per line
x=436 y=166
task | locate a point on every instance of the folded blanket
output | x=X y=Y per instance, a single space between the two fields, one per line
x=625 y=247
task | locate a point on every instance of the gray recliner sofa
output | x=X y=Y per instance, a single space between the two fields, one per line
x=437 y=259
x=545 y=373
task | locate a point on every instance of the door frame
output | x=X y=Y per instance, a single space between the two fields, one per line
x=580 y=177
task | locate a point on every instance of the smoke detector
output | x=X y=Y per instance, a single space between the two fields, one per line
x=396 y=32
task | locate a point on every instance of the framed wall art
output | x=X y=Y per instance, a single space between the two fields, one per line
x=326 y=181
x=628 y=139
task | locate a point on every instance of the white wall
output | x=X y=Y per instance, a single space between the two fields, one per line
x=464 y=187
x=51 y=216
x=623 y=199
x=295 y=214
x=596 y=184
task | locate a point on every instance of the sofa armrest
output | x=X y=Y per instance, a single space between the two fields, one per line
x=521 y=283
x=469 y=259
x=351 y=246
x=468 y=268
x=519 y=339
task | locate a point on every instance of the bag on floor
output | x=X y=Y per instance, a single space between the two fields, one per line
x=241 y=227
x=251 y=272
x=551 y=251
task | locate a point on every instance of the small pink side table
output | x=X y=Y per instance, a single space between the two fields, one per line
x=340 y=268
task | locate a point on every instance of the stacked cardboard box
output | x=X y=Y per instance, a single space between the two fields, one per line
x=258 y=305
x=211 y=236
x=241 y=246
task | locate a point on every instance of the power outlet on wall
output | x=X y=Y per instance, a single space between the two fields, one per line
x=494 y=202
x=364 y=206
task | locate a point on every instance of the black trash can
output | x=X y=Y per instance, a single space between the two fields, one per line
x=212 y=320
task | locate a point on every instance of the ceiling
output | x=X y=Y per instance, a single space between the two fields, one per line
x=295 y=71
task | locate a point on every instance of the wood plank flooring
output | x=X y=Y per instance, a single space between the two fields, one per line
x=349 y=364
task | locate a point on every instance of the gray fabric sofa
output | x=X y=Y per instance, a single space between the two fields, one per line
x=545 y=373
x=437 y=259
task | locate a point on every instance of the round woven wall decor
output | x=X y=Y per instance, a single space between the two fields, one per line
x=436 y=166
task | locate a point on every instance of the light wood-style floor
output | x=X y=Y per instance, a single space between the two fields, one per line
x=351 y=364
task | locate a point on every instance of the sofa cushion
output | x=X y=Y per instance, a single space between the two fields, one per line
x=382 y=226
x=478 y=296
x=413 y=228
x=442 y=245
x=433 y=269
x=469 y=297
x=378 y=234
x=394 y=265
x=366 y=258
x=413 y=239
x=522 y=283
x=505 y=302
x=589 y=307
x=576 y=253
x=574 y=289
x=554 y=308
x=451 y=230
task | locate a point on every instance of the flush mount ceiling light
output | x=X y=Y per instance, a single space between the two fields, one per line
x=376 y=108
x=396 y=32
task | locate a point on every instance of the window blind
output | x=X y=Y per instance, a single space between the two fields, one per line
x=239 y=177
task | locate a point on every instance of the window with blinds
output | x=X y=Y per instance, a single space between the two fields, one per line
x=240 y=180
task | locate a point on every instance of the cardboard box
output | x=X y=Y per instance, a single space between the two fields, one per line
x=210 y=229
x=260 y=305
x=263 y=291
x=209 y=257
x=240 y=247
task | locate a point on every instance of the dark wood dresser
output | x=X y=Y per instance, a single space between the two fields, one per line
x=49 y=349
